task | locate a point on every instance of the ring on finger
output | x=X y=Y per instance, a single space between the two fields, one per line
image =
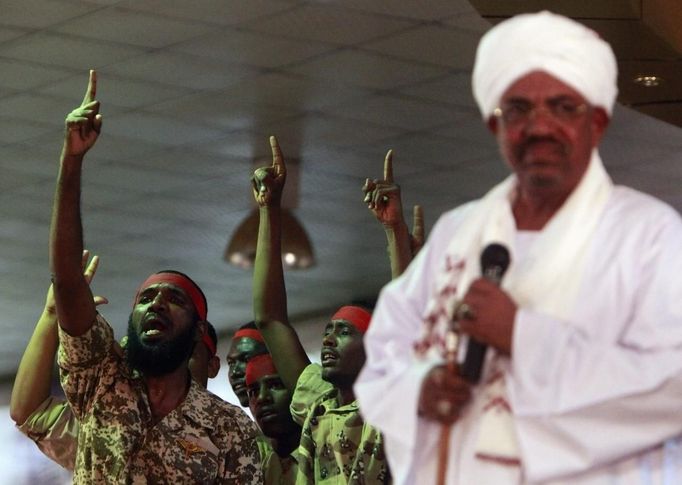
x=444 y=407
x=464 y=312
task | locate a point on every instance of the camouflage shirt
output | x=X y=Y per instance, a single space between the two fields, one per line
x=337 y=446
x=54 y=428
x=204 y=440
x=277 y=470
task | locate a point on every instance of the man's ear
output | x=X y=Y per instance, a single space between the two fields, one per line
x=600 y=121
x=200 y=330
x=213 y=367
x=492 y=124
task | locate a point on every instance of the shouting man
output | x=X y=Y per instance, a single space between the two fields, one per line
x=142 y=418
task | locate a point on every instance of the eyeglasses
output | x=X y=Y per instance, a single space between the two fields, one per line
x=562 y=110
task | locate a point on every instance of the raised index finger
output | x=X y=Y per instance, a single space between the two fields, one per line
x=277 y=158
x=388 y=167
x=92 y=88
x=91 y=269
x=418 y=224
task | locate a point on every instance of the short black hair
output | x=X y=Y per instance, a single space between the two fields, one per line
x=211 y=333
x=250 y=324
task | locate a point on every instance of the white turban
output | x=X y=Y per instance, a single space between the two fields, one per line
x=545 y=42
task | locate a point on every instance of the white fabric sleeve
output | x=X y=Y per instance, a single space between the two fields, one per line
x=581 y=399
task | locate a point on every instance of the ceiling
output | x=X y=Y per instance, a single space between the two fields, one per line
x=190 y=92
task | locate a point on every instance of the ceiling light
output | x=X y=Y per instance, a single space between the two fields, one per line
x=297 y=251
x=648 y=81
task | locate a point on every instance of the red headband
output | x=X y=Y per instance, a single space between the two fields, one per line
x=181 y=281
x=259 y=366
x=251 y=333
x=356 y=315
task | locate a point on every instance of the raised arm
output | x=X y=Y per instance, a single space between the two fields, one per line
x=33 y=380
x=383 y=200
x=74 y=302
x=269 y=292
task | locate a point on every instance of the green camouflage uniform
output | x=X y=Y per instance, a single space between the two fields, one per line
x=277 y=470
x=337 y=446
x=204 y=440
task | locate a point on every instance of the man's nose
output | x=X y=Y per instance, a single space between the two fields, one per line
x=159 y=302
x=540 y=120
x=329 y=340
x=264 y=394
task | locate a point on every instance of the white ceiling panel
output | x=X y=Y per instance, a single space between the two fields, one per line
x=218 y=109
x=411 y=9
x=295 y=91
x=176 y=69
x=328 y=23
x=400 y=112
x=36 y=14
x=67 y=51
x=158 y=129
x=367 y=70
x=144 y=181
x=320 y=129
x=31 y=107
x=429 y=150
x=134 y=27
x=468 y=20
x=432 y=44
x=12 y=179
x=116 y=91
x=452 y=89
x=13 y=130
x=225 y=12
x=108 y=148
x=9 y=33
x=241 y=144
x=23 y=158
x=256 y=49
x=23 y=76
x=189 y=161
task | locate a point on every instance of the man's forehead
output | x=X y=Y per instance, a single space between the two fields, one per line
x=268 y=379
x=244 y=345
x=345 y=325
x=155 y=287
x=540 y=84
x=340 y=323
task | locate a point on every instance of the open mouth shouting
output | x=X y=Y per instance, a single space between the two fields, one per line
x=329 y=357
x=154 y=326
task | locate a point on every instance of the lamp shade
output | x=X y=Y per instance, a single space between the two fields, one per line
x=297 y=252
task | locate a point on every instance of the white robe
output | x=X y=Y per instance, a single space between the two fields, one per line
x=596 y=399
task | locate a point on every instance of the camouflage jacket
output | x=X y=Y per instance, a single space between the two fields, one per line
x=54 y=428
x=204 y=440
x=337 y=446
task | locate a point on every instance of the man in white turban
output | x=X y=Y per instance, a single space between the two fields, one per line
x=582 y=380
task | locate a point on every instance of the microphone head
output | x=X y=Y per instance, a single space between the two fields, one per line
x=495 y=260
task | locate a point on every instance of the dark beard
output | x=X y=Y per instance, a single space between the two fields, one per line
x=162 y=358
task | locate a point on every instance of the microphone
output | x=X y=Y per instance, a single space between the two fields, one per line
x=494 y=263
